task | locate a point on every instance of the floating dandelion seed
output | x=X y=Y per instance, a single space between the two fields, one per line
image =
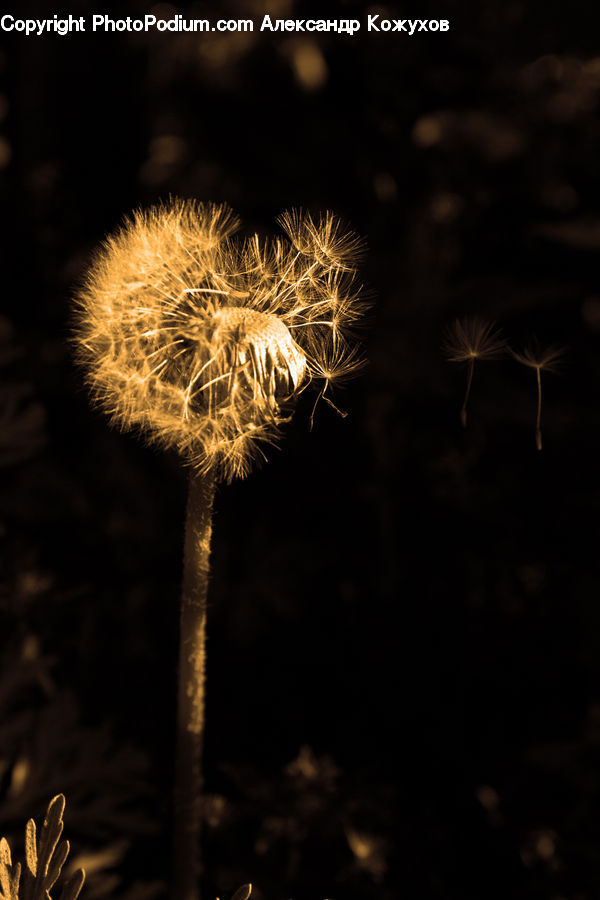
x=467 y=340
x=541 y=359
x=203 y=342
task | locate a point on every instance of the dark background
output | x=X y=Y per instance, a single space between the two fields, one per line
x=404 y=636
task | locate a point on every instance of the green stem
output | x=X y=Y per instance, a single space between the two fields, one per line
x=463 y=412
x=190 y=706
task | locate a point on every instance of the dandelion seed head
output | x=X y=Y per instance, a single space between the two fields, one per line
x=203 y=341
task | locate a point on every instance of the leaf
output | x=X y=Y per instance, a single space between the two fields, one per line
x=56 y=864
x=44 y=860
x=5 y=857
x=9 y=882
x=50 y=836
x=73 y=886
x=30 y=848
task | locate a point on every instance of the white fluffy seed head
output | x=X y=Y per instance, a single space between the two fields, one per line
x=203 y=342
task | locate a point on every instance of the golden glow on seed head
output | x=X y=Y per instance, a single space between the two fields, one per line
x=202 y=341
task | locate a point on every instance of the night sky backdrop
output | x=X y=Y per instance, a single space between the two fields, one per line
x=404 y=622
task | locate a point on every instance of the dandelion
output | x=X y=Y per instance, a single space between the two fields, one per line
x=542 y=360
x=470 y=339
x=203 y=341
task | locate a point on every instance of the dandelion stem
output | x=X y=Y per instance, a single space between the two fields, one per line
x=538 y=421
x=190 y=708
x=463 y=412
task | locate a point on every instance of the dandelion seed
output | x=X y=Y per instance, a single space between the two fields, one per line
x=470 y=339
x=540 y=359
x=339 y=364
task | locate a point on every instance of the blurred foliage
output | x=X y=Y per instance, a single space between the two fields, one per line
x=21 y=418
x=304 y=818
x=45 y=746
